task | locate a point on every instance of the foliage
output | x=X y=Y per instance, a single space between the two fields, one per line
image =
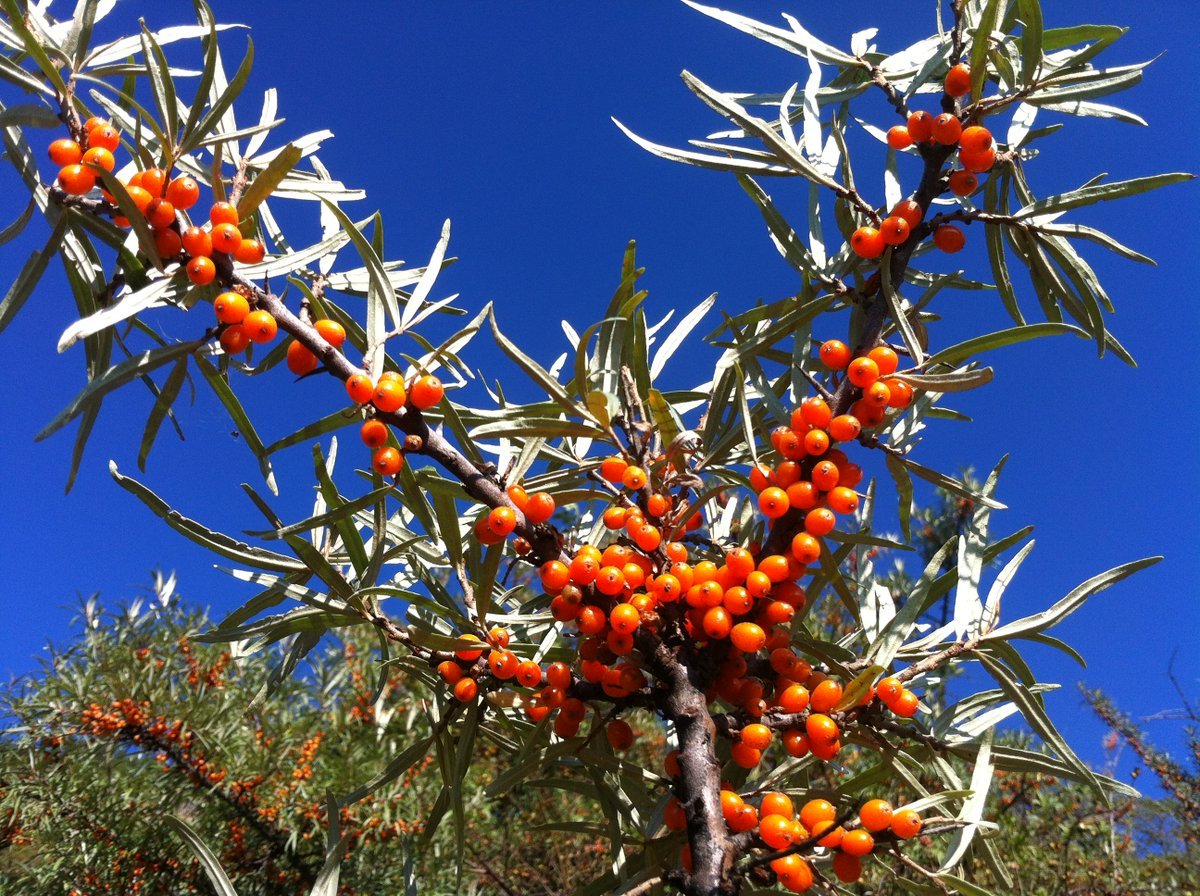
x=667 y=586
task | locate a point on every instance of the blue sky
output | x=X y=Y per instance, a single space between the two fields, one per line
x=497 y=116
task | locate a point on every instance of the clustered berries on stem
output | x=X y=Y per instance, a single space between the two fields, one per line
x=976 y=155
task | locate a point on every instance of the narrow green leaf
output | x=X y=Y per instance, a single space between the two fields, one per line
x=896 y=308
x=220 y=386
x=137 y=221
x=162 y=406
x=114 y=378
x=1030 y=12
x=1100 y=193
x=980 y=45
x=536 y=372
x=956 y=354
x=33 y=46
x=208 y=861
x=211 y=120
x=904 y=491
x=896 y=632
x=956 y=381
x=31 y=274
x=162 y=85
x=268 y=179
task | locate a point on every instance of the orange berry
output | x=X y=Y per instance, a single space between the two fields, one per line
x=387 y=461
x=234 y=339
x=947 y=129
x=773 y=502
x=885 y=359
x=503 y=663
x=877 y=394
x=814 y=411
x=223 y=213
x=141 y=198
x=958 y=80
x=167 y=244
x=65 y=152
x=450 y=671
x=94 y=122
x=183 y=192
x=756 y=736
x=906 y=823
x=160 y=213
x=360 y=388
x=300 y=360
x=979 y=162
x=104 y=136
x=857 y=842
x=847 y=868
x=634 y=478
x=624 y=618
x=842 y=500
x=539 y=508
x=905 y=705
x=794 y=699
x=500 y=520
x=374 y=433
x=899 y=137
x=717 y=623
x=249 y=251
x=226 y=238
x=825 y=696
x=820 y=730
x=910 y=211
x=260 y=326
x=76 y=179
x=201 y=270
x=748 y=637
x=613 y=468
x=555 y=576
x=819 y=521
x=231 y=307
x=745 y=756
x=197 y=242
x=888 y=689
x=331 y=331
x=775 y=831
x=776 y=803
x=816 y=442
x=867 y=242
x=389 y=395
x=529 y=674
x=835 y=354
x=975 y=139
x=795 y=742
x=426 y=392
x=100 y=157
x=806 y=549
x=963 y=183
x=949 y=238
x=620 y=735
x=894 y=230
x=466 y=690
x=815 y=811
x=920 y=127
x=862 y=372
x=825 y=475
x=731 y=804
x=875 y=815
x=468 y=654
x=900 y=393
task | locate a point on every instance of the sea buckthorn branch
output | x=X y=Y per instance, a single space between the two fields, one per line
x=879 y=79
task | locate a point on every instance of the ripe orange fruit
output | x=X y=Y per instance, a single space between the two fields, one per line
x=620 y=735
x=260 y=326
x=141 y=198
x=773 y=502
x=842 y=499
x=821 y=729
x=100 y=157
x=466 y=690
x=226 y=238
x=900 y=393
x=501 y=520
x=167 y=244
x=847 y=868
x=234 y=339
x=899 y=137
x=978 y=162
x=529 y=674
x=745 y=756
x=387 y=461
x=857 y=842
x=374 y=433
x=963 y=182
x=624 y=618
x=814 y=411
x=885 y=359
x=65 y=152
x=540 y=508
x=920 y=127
x=776 y=803
x=197 y=242
x=249 y=251
x=975 y=139
x=875 y=815
x=958 y=80
x=201 y=270
x=794 y=699
x=815 y=811
x=862 y=372
x=775 y=831
x=756 y=736
x=450 y=671
x=231 y=307
x=634 y=478
x=299 y=359
x=331 y=331
x=183 y=192
x=76 y=179
x=834 y=354
x=360 y=388
x=223 y=213
x=947 y=129
x=867 y=242
x=389 y=395
x=426 y=392
x=949 y=238
x=104 y=136
x=160 y=213
x=748 y=637
x=894 y=230
x=905 y=705
x=910 y=211
x=906 y=823
x=825 y=696
x=825 y=475
x=613 y=468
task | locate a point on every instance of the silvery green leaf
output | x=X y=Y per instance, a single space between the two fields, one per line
x=156 y=294
x=718 y=163
x=797 y=40
x=812 y=114
x=421 y=292
x=675 y=339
